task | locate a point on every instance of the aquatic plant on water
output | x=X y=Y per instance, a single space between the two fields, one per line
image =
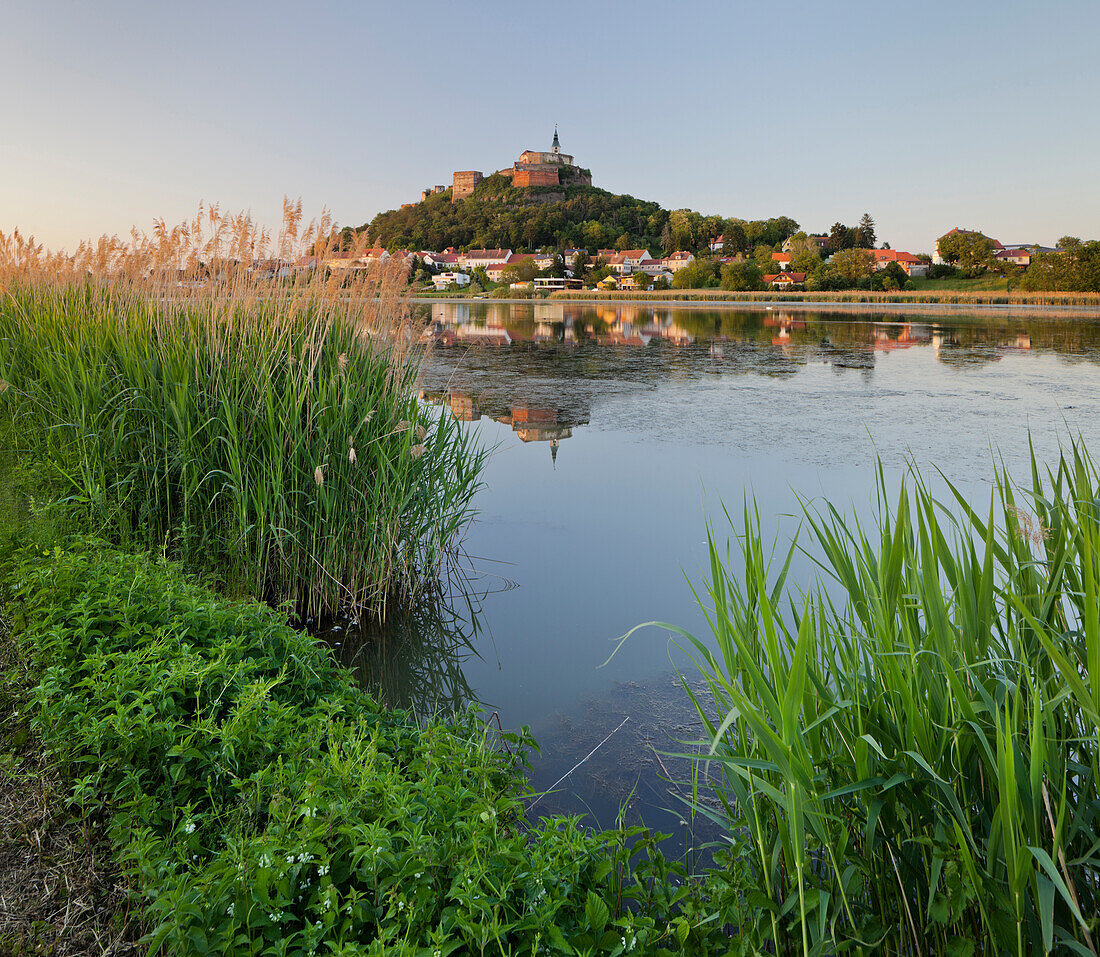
x=265 y=432
x=909 y=750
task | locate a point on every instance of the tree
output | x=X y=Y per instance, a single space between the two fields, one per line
x=888 y=279
x=523 y=271
x=580 y=264
x=734 y=239
x=805 y=253
x=841 y=237
x=866 y=230
x=742 y=276
x=699 y=274
x=854 y=266
x=966 y=249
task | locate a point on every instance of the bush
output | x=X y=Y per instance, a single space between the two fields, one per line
x=265 y=805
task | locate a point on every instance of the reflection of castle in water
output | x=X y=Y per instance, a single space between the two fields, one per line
x=541 y=368
x=530 y=424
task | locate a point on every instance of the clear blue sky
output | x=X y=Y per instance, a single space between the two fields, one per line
x=979 y=113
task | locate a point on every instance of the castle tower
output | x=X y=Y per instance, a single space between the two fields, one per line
x=556 y=148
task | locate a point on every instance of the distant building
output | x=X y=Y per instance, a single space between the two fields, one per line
x=482 y=258
x=678 y=261
x=783 y=260
x=463 y=183
x=554 y=157
x=910 y=263
x=785 y=280
x=444 y=279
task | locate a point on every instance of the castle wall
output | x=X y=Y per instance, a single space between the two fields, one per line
x=535 y=175
x=463 y=183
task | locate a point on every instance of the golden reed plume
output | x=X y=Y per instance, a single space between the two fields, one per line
x=231 y=259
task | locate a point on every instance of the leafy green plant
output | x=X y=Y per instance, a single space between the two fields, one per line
x=263 y=804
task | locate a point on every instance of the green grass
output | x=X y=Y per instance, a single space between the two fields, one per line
x=909 y=750
x=263 y=439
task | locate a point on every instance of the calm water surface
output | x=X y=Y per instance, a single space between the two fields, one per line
x=617 y=430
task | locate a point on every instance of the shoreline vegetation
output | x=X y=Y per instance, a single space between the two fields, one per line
x=905 y=752
x=265 y=433
x=1088 y=307
x=1081 y=300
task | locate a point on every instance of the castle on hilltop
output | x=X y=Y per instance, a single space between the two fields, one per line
x=533 y=168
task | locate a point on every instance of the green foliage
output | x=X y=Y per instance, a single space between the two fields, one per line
x=891 y=278
x=263 y=804
x=866 y=230
x=910 y=750
x=966 y=249
x=1077 y=269
x=262 y=440
x=499 y=215
x=742 y=276
x=854 y=266
x=699 y=274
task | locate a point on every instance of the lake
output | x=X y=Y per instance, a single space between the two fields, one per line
x=618 y=430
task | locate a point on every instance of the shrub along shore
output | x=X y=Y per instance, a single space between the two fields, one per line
x=261 y=803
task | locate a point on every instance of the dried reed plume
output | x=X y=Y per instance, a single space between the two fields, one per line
x=193 y=378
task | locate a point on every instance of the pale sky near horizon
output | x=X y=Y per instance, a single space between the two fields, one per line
x=932 y=115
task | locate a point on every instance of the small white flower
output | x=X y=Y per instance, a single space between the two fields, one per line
x=231 y=909
x=189 y=827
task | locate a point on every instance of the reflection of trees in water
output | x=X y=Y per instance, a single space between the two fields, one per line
x=565 y=358
x=415 y=661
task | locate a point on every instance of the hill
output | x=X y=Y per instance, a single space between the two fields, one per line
x=500 y=215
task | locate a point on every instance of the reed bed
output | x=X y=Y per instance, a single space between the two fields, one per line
x=909 y=750
x=259 y=424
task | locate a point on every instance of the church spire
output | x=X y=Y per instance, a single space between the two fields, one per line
x=556 y=147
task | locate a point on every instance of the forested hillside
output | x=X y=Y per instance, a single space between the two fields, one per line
x=499 y=215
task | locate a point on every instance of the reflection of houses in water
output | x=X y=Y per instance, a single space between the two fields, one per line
x=463 y=407
x=1022 y=343
x=530 y=423
x=910 y=334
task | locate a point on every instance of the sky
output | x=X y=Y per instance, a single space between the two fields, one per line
x=975 y=113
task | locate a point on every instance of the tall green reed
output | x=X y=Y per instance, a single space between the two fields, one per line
x=909 y=749
x=271 y=439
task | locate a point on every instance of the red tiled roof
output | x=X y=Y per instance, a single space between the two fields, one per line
x=791 y=277
x=781 y=257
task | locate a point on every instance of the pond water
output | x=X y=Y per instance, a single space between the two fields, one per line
x=618 y=430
